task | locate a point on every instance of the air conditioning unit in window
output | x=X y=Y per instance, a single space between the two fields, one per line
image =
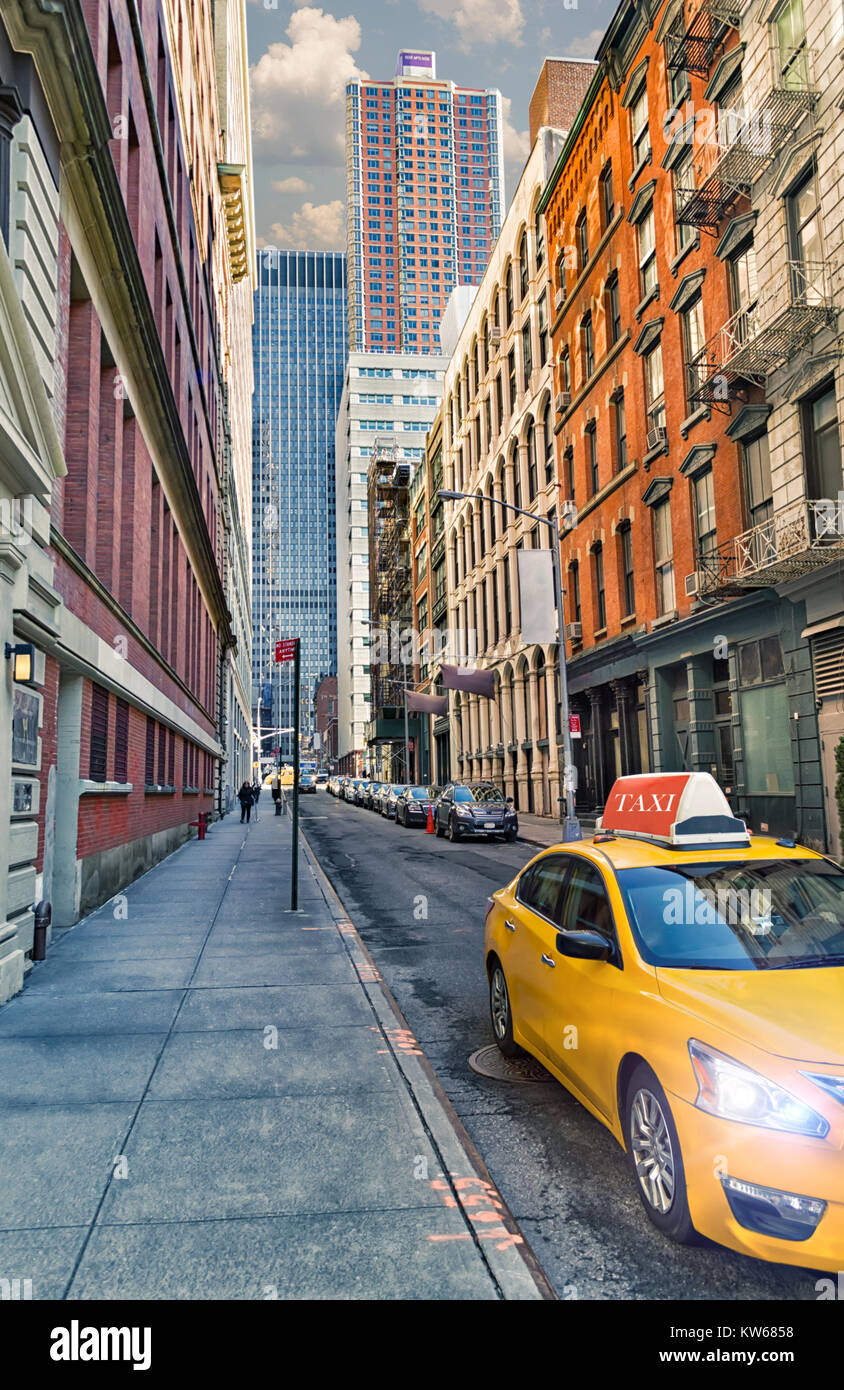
x=559 y=298
x=656 y=437
x=694 y=584
x=568 y=516
x=563 y=401
x=494 y=334
x=574 y=631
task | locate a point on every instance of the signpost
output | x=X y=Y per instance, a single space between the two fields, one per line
x=288 y=650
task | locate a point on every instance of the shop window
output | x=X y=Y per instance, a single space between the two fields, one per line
x=766 y=729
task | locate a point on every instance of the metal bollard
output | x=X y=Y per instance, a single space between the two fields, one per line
x=43 y=918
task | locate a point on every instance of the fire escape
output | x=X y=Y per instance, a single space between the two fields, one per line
x=389 y=573
x=794 y=302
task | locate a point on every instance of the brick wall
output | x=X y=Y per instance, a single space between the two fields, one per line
x=558 y=93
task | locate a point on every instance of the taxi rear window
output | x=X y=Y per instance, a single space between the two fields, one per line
x=749 y=915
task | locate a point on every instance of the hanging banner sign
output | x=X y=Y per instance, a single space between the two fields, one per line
x=538 y=620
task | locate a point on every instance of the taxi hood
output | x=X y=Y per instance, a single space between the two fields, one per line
x=798 y=1014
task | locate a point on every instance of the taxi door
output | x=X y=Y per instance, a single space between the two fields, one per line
x=580 y=1021
x=531 y=926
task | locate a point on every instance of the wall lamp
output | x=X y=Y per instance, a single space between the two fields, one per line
x=23 y=656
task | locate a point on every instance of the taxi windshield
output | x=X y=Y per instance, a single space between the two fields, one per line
x=747 y=915
x=477 y=794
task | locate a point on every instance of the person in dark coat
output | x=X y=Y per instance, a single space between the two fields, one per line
x=276 y=793
x=244 y=796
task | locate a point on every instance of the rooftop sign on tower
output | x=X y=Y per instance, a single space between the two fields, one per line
x=415 y=63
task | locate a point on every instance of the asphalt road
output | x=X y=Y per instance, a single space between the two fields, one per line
x=419 y=904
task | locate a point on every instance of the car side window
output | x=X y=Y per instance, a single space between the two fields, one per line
x=586 y=905
x=540 y=888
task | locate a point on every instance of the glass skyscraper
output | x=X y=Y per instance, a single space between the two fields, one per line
x=425 y=201
x=300 y=347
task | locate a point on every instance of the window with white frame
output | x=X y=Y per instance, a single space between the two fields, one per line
x=654 y=388
x=663 y=556
x=639 y=127
x=646 y=233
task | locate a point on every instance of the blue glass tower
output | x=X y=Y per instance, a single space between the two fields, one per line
x=300 y=346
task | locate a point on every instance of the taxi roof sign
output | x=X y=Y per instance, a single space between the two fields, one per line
x=680 y=809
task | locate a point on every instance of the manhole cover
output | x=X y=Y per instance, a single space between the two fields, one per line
x=489 y=1061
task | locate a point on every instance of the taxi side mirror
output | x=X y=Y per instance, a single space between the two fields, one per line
x=584 y=945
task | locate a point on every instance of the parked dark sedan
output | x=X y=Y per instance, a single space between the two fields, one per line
x=370 y=800
x=360 y=792
x=475 y=808
x=413 y=805
x=390 y=794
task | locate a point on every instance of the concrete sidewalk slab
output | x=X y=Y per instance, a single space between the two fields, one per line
x=213 y=1097
x=288 y=1005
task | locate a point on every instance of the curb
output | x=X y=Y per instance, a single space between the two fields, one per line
x=465 y=1182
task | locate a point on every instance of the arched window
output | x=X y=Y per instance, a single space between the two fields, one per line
x=533 y=477
x=517 y=477
x=548 y=428
x=539 y=230
x=542 y=698
x=524 y=269
x=508 y=295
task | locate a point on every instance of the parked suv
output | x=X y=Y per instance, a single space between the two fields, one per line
x=475 y=808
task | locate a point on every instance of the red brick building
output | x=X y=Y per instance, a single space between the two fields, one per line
x=653 y=478
x=123 y=592
x=325 y=720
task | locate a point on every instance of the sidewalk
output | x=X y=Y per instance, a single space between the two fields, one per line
x=206 y=1096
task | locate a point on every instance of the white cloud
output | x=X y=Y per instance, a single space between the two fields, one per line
x=586 y=47
x=292 y=185
x=516 y=142
x=481 y=21
x=298 y=89
x=313 y=227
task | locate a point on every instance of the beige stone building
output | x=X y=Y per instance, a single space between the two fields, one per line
x=498 y=440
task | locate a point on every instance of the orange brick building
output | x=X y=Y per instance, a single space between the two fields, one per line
x=652 y=477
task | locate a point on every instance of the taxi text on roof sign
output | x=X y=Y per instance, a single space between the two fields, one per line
x=685 y=809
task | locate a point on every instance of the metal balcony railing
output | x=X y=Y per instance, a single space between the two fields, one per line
x=746 y=138
x=693 y=41
x=800 y=537
x=798 y=299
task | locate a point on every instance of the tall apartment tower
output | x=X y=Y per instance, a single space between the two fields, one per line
x=425 y=198
x=300 y=350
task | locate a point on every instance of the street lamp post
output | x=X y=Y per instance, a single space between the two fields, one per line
x=571 y=825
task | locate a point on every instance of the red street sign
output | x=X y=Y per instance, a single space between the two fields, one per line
x=286 y=650
x=574 y=726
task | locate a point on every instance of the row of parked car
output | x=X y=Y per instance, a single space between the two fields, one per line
x=459 y=809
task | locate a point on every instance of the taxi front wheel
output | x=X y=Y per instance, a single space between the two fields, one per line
x=653 y=1149
x=500 y=1013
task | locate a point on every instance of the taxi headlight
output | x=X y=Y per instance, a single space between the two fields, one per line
x=735 y=1092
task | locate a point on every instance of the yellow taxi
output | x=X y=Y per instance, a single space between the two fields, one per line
x=684 y=979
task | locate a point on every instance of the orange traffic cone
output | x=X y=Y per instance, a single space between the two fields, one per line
x=429 y=828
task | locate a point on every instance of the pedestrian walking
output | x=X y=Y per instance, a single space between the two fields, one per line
x=244 y=796
x=276 y=793
x=256 y=793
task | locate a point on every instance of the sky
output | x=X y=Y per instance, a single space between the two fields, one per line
x=302 y=56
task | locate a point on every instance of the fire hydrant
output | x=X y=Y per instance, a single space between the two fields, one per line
x=201 y=825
